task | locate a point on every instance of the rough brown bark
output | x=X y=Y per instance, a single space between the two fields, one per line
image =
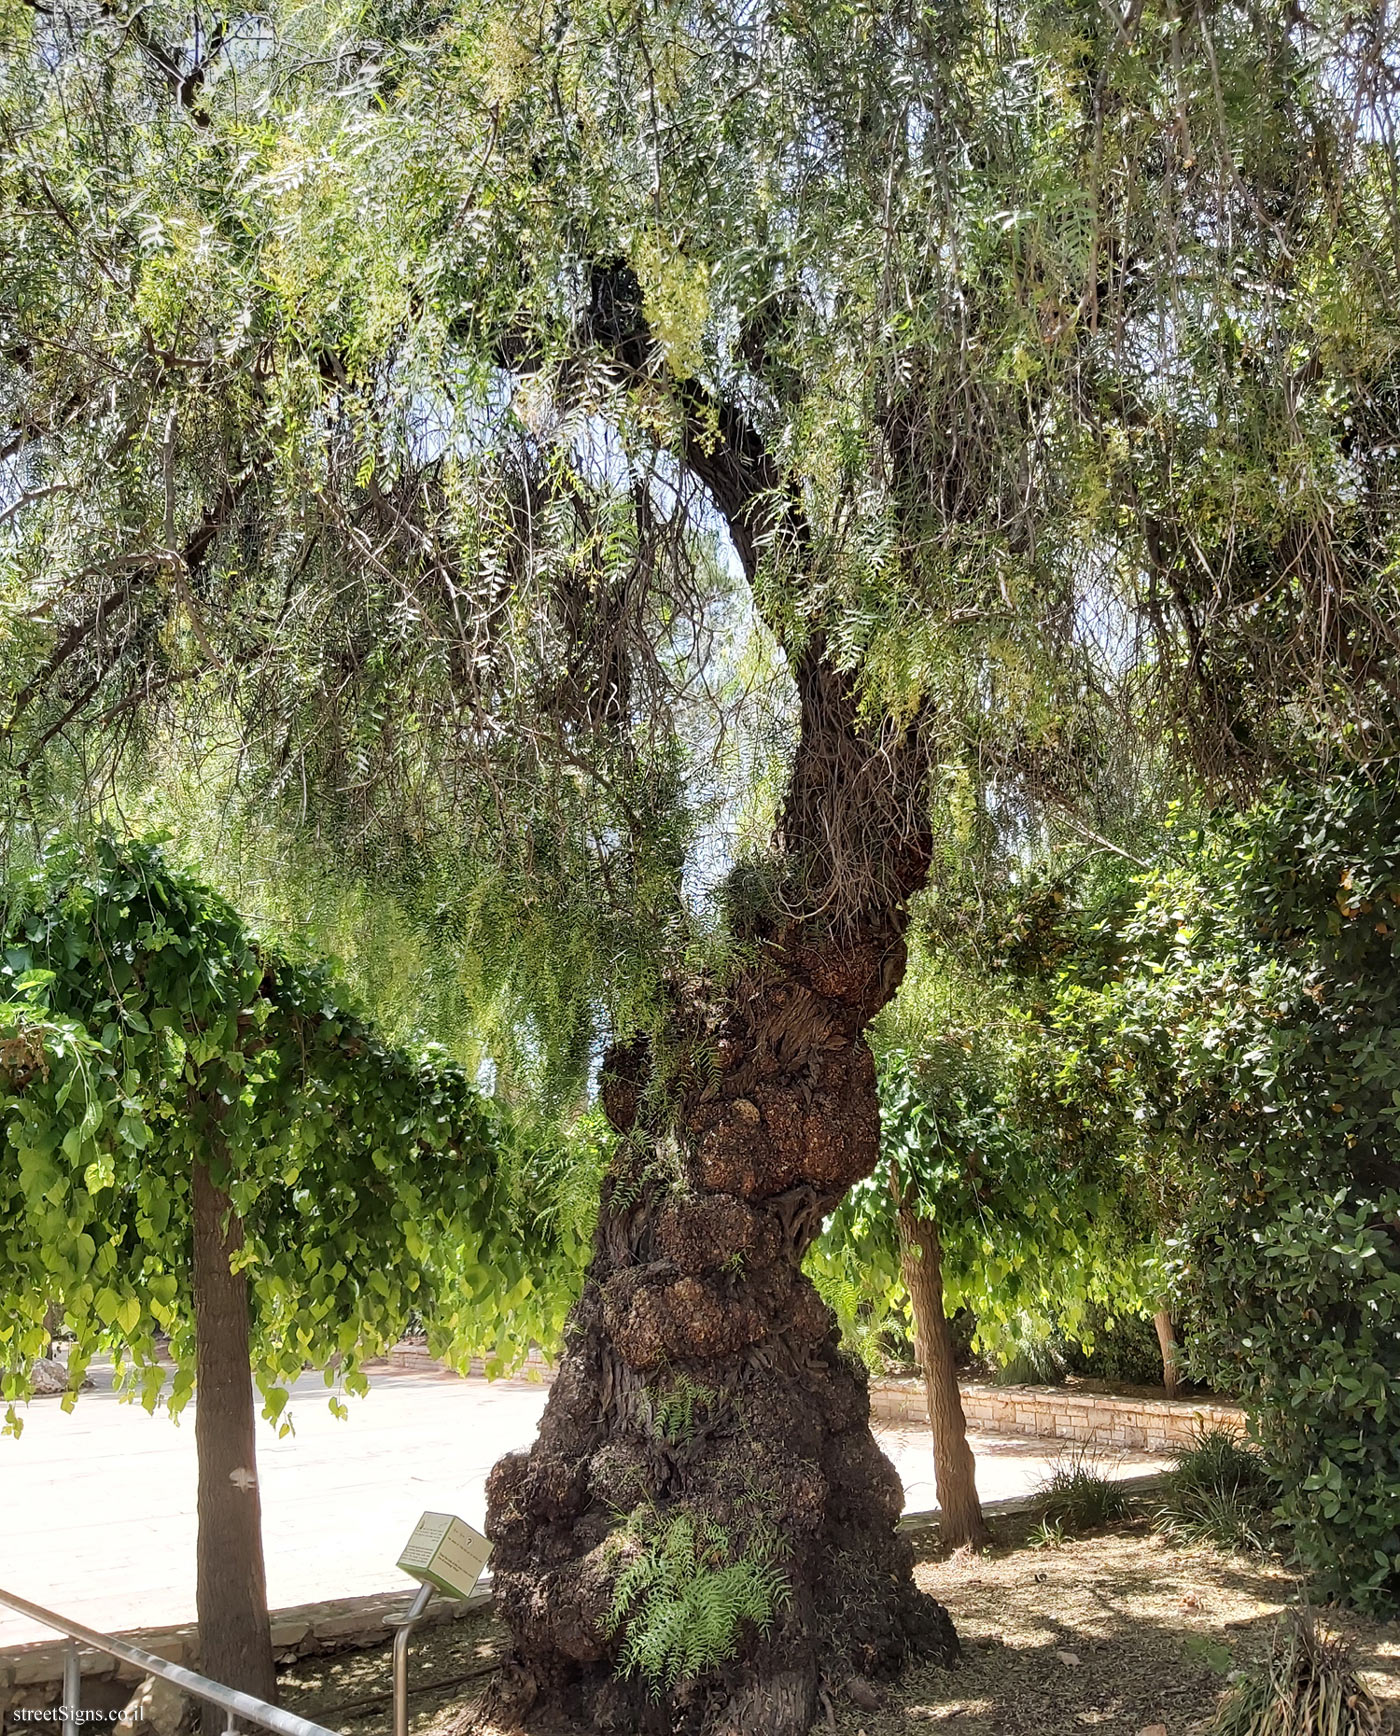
x=1171 y=1354
x=702 y=1376
x=954 y=1467
x=235 y=1636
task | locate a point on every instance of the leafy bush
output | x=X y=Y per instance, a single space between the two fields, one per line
x=1078 y=1497
x=1125 y=1348
x=1309 y=1688
x=1255 y=1039
x=1219 y=1491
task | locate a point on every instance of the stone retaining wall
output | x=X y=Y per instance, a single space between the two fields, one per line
x=1153 y=1425
x=411 y=1353
x=1103 y=1419
x=32 y=1675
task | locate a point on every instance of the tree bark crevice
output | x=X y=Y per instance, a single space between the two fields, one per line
x=703 y=1377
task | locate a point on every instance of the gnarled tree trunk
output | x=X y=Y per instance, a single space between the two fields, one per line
x=235 y=1636
x=954 y=1468
x=702 y=1381
x=705 y=1527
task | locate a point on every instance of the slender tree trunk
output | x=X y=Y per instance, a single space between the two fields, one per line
x=1171 y=1353
x=235 y=1636
x=703 y=1381
x=954 y=1467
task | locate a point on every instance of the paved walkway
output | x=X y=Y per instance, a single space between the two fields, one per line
x=97 y=1508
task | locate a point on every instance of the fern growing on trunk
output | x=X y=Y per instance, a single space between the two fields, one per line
x=684 y=1597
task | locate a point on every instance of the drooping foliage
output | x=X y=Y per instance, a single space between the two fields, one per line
x=372 y=379
x=144 y=1030
x=492 y=422
x=1042 y=1230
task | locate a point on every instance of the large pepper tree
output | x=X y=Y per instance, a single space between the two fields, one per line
x=203 y=1140
x=419 y=390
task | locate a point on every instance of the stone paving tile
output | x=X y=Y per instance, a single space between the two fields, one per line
x=97 y=1508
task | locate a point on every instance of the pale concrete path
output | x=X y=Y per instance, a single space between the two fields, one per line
x=97 y=1508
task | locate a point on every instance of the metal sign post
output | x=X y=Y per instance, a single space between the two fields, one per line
x=72 y=1688
x=444 y=1554
x=405 y=1624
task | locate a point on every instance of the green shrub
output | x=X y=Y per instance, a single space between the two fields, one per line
x=1309 y=1688
x=1040 y=1357
x=1046 y=1534
x=1125 y=1349
x=1078 y=1497
x=1219 y=1491
x=1255 y=1041
x=1306 y=1298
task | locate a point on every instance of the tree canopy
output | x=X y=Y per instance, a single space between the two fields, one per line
x=1039 y=1233
x=406 y=388
x=146 y=1030
x=653 y=486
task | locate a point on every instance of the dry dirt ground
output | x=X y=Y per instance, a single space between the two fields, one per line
x=1115 y=1633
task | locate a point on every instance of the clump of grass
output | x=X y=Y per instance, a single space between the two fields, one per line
x=1219 y=1491
x=1309 y=1688
x=1077 y=1496
x=1046 y=1534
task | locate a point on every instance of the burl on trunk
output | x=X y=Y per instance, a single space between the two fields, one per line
x=704 y=1533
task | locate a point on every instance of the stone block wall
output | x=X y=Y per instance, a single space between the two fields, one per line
x=412 y=1354
x=1103 y=1419
x=1108 y=1420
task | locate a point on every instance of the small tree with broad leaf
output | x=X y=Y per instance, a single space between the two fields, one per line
x=201 y=1140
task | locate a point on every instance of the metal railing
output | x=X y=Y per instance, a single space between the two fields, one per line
x=232 y=1701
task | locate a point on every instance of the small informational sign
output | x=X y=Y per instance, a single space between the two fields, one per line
x=446 y=1552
